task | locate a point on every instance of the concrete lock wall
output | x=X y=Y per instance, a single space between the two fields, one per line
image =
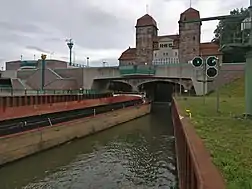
x=19 y=145
x=195 y=168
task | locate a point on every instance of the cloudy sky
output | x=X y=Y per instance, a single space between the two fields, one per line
x=101 y=29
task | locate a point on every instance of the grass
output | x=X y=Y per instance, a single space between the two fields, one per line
x=227 y=136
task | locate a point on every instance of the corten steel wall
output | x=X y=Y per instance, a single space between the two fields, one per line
x=19 y=145
x=18 y=106
x=195 y=168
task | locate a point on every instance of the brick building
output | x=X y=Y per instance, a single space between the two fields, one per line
x=179 y=48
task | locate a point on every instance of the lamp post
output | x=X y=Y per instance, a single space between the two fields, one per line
x=87 y=61
x=43 y=57
x=70 y=46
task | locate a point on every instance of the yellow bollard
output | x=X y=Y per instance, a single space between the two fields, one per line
x=189 y=113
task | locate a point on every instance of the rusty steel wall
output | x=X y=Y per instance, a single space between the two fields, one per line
x=195 y=168
x=23 y=106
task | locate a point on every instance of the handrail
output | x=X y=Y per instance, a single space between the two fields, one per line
x=195 y=168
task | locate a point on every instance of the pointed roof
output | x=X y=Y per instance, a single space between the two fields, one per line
x=146 y=20
x=129 y=54
x=190 y=14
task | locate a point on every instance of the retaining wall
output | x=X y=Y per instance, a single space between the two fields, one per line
x=19 y=145
x=195 y=168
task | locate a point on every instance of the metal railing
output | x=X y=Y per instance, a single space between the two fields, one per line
x=195 y=169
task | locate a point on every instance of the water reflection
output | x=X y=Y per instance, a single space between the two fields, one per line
x=137 y=154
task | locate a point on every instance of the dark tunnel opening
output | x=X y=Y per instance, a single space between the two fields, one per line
x=158 y=91
x=117 y=86
x=163 y=91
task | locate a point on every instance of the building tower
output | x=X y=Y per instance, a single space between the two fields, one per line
x=146 y=33
x=189 y=41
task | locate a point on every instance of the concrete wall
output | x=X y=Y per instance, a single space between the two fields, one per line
x=25 y=74
x=17 y=84
x=227 y=74
x=62 y=84
x=9 y=74
x=34 y=81
x=50 y=63
x=20 y=145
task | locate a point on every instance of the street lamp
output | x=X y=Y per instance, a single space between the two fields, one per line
x=87 y=61
x=43 y=57
x=70 y=46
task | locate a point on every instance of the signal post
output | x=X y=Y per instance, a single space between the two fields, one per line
x=209 y=68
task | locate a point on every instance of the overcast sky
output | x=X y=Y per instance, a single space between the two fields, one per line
x=101 y=29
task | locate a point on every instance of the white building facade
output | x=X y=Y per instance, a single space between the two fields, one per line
x=167 y=52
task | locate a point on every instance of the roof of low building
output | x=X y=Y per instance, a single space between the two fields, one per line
x=174 y=37
x=129 y=54
x=146 y=20
x=209 y=49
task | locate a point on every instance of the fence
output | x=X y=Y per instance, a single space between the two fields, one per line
x=195 y=169
x=16 y=101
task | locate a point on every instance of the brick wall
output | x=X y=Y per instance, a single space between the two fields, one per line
x=189 y=42
x=144 y=44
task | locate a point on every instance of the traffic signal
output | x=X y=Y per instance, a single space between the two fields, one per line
x=197 y=62
x=212 y=67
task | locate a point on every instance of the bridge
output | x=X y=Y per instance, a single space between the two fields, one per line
x=184 y=76
x=132 y=78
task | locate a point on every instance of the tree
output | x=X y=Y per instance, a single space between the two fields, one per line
x=229 y=31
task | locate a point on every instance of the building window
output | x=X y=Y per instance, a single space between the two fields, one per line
x=176 y=54
x=193 y=38
x=167 y=54
x=163 y=45
x=155 y=54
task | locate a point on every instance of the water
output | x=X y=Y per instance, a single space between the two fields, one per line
x=137 y=154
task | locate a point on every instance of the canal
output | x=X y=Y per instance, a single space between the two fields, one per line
x=136 y=154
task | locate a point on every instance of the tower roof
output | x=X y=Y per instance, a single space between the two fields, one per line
x=190 y=14
x=129 y=54
x=146 y=20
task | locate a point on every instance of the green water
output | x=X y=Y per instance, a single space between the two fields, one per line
x=137 y=154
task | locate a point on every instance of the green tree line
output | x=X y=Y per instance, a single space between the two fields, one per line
x=229 y=31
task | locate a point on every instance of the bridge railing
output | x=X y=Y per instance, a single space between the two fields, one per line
x=137 y=70
x=195 y=169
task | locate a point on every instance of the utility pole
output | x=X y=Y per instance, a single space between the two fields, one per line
x=43 y=57
x=70 y=46
x=248 y=71
x=217 y=90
